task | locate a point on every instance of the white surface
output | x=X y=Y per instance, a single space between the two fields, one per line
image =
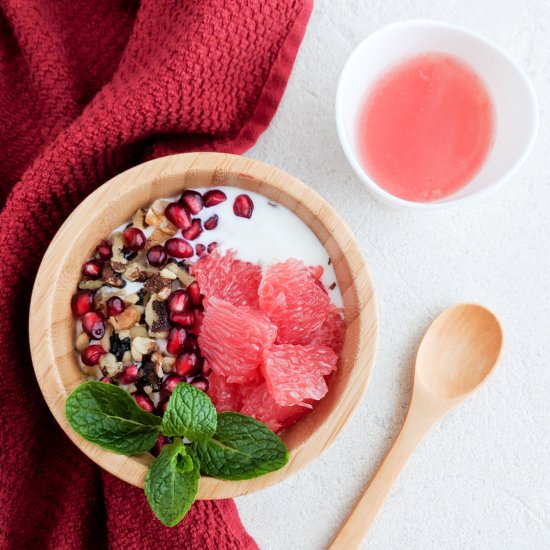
x=480 y=480
x=514 y=102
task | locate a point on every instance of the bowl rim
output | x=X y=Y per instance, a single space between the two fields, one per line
x=150 y=176
x=449 y=202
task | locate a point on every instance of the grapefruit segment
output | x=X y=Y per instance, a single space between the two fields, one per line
x=232 y=339
x=293 y=299
x=295 y=373
x=331 y=333
x=228 y=278
x=259 y=403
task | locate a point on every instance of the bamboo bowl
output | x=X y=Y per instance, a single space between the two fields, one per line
x=55 y=361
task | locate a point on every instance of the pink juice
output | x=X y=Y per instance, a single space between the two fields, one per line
x=426 y=127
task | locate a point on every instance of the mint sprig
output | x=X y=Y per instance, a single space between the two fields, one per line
x=172 y=482
x=189 y=413
x=109 y=417
x=226 y=445
x=241 y=448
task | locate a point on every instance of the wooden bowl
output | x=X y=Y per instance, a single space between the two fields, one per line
x=51 y=326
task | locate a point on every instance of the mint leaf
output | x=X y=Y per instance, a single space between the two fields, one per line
x=172 y=482
x=189 y=413
x=241 y=448
x=109 y=417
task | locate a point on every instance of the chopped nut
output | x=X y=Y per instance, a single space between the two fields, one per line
x=158 y=237
x=127 y=358
x=156 y=359
x=127 y=319
x=90 y=284
x=132 y=388
x=138 y=330
x=136 y=272
x=157 y=317
x=168 y=274
x=118 y=261
x=82 y=341
x=182 y=274
x=106 y=340
x=168 y=364
x=139 y=219
x=123 y=334
x=159 y=285
x=155 y=217
x=142 y=346
x=110 y=277
x=148 y=390
x=109 y=365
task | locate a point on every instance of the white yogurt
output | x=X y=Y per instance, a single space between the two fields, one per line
x=273 y=234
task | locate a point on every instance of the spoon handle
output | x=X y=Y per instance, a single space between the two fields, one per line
x=356 y=526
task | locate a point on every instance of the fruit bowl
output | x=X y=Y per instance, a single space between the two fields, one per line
x=51 y=326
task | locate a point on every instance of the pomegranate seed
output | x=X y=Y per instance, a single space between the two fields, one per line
x=143 y=401
x=82 y=302
x=243 y=206
x=211 y=198
x=194 y=231
x=194 y=292
x=211 y=223
x=198 y=322
x=183 y=318
x=201 y=383
x=92 y=269
x=105 y=380
x=212 y=246
x=187 y=363
x=177 y=214
x=104 y=250
x=175 y=341
x=191 y=343
x=192 y=200
x=115 y=306
x=201 y=249
x=92 y=354
x=178 y=248
x=161 y=407
x=177 y=301
x=156 y=256
x=162 y=440
x=93 y=325
x=134 y=238
x=171 y=382
x=129 y=375
x=206 y=370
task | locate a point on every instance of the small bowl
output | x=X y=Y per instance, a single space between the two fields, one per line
x=514 y=100
x=51 y=326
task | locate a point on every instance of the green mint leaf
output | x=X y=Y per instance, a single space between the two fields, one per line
x=241 y=448
x=172 y=482
x=190 y=414
x=109 y=417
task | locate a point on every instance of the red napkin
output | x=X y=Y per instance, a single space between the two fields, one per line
x=88 y=89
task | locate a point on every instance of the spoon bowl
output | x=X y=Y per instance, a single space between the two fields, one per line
x=459 y=351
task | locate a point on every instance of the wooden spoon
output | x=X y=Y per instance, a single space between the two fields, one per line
x=457 y=354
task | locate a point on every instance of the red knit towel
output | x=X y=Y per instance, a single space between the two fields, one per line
x=88 y=89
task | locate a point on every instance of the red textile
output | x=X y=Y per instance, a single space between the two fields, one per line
x=88 y=89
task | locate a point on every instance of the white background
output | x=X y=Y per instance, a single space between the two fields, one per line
x=481 y=479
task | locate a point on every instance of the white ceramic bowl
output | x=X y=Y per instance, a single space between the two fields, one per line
x=514 y=100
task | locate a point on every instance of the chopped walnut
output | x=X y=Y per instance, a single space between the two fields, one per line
x=139 y=330
x=90 y=284
x=106 y=340
x=168 y=274
x=139 y=219
x=159 y=285
x=109 y=365
x=118 y=261
x=127 y=319
x=155 y=217
x=181 y=273
x=111 y=277
x=168 y=364
x=142 y=346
